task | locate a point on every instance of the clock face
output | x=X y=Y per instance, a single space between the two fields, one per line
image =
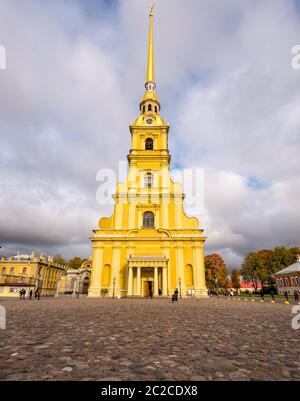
x=149 y=121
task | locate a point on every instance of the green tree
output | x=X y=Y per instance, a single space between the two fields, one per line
x=295 y=251
x=76 y=262
x=215 y=271
x=265 y=273
x=235 y=279
x=283 y=257
x=58 y=259
x=250 y=269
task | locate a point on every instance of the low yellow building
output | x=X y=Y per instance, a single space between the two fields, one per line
x=29 y=272
x=149 y=247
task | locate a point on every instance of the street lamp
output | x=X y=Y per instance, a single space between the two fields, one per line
x=114 y=286
x=179 y=281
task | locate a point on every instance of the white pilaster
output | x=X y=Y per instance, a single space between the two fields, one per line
x=96 y=277
x=156 y=281
x=180 y=267
x=164 y=281
x=116 y=258
x=130 y=281
x=138 y=282
x=200 y=283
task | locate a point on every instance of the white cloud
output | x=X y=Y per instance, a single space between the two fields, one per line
x=75 y=74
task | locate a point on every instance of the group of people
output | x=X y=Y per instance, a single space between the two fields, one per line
x=230 y=293
x=37 y=294
x=296 y=295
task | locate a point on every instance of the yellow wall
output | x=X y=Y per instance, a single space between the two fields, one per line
x=48 y=273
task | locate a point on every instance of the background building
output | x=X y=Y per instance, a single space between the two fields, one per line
x=76 y=280
x=245 y=286
x=288 y=279
x=29 y=272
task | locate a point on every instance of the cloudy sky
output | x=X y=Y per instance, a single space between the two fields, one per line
x=75 y=75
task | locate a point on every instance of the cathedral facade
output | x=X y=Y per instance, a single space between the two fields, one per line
x=149 y=247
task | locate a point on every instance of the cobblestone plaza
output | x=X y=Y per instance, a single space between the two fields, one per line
x=107 y=339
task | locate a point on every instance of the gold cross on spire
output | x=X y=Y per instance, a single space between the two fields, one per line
x=151 y=9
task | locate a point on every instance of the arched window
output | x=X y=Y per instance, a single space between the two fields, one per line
x=148 y=220
x=148 y=179
x=155 y=109
x=296 y=282
x=188 y=276
x=286 y=282
x=106 y=275
x=144 y=109
x=149 y=107
x=149 y=144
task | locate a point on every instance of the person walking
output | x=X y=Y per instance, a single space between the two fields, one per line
x=296 y=296
x=262 y=294
x=30 y=295
x=272 y=295
x=37 y=294
x=286 y=295
x=176 y=294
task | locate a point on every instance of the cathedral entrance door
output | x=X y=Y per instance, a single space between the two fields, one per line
x=148 y=289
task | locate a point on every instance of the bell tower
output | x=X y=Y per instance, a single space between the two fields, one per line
x=149 y=247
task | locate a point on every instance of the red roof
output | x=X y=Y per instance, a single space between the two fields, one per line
x=248 y=284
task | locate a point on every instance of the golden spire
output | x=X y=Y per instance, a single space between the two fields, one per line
x=150 y=67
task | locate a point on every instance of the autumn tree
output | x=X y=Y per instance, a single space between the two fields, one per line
x=235 y=279
x=215 y=271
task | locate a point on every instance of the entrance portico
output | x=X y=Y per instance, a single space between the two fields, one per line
x=147 y=276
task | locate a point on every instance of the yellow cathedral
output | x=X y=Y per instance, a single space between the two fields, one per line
x=149 y=247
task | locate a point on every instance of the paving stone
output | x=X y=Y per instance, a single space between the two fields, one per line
x=101 y=339
x=67 y=369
